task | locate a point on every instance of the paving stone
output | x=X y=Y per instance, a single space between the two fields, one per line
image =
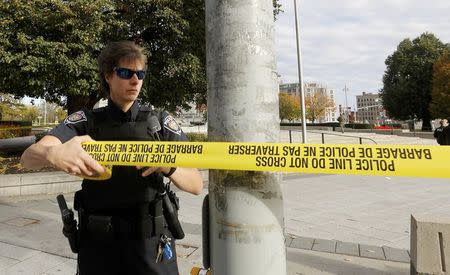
x=184 y=251
x=324 y=245
x=44 y=264
x=302 y=243
x=347 y=248
x=6 y=263
x=16 y=252
x=396 y=254
x=370 y=251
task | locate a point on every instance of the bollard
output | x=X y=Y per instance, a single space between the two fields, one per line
x=430 y=253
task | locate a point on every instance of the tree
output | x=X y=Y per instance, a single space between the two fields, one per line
x=440 y=95
x=12 y=109
x=48 y=48
x=30 y=113
x=406 y=91
x=317 y=105
x=289 y=107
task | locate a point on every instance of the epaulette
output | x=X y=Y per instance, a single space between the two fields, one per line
x=99 y=110
x=145 y=109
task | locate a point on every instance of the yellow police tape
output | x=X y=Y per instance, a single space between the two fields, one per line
x=383 y=160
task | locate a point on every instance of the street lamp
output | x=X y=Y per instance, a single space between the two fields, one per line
x=300 y=73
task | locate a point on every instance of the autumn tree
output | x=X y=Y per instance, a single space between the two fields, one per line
x=317 y=105
x=12 y=109
x=440 y=95
x=407 y=81
x=289 y=107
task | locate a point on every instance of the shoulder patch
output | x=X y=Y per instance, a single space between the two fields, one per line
x=171 y=125
x=75 y=118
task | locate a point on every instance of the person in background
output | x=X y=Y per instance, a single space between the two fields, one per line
x=438 y=132
x=121 y=226
x=445 y=136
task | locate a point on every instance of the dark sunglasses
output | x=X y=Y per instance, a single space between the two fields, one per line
x=125 y=73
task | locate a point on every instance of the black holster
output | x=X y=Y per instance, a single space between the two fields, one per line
x=70 y=230
x=171 y=205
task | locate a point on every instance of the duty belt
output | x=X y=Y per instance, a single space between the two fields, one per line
x=144 y=221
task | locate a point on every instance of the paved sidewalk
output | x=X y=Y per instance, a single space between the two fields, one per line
x=31 y=242
x=334 y=224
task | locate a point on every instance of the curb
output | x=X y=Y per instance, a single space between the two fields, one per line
x=45 y=183
x=38 y=183
x=384 y=253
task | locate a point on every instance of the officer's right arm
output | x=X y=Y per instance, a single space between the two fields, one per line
x=69 y=156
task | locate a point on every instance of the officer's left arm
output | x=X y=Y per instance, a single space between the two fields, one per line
x=186 y=179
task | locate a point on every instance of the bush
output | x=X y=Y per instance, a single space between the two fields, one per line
x=21 y=129
x=197 y=137
x=325 y=124
x=358 y=126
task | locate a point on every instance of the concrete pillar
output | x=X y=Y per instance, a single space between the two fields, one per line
x=246 y=208
x=430 y=245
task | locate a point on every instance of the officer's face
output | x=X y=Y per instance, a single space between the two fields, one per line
x=122 y=91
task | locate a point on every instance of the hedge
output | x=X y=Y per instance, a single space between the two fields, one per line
x=24 y=128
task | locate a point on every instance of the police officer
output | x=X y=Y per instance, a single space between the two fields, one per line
x=122 y=229
x=438 y=132
x=445 y=136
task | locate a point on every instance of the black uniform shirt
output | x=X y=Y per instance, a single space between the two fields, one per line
x=76 y=124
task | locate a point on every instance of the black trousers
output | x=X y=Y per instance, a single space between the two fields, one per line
x=121 y=256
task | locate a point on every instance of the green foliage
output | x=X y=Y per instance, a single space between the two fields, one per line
x=276 y=8
x=358 y=125
x=440 y=102
x=324 y=124
x=407 y=80
x=11 y=129
x=48 y=48
x=197 y=137
x=12 y=109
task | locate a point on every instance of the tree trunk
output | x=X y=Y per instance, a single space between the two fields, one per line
x=426 y=121
x=78 y=102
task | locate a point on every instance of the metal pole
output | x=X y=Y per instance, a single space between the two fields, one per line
x=300 y=73
x=246 y=208
x=45 y=112
x=346 y=104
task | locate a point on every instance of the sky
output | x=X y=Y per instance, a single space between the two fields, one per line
x=345 y=42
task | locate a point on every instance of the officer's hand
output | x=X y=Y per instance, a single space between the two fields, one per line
x=71 y=158
x=150 y=170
